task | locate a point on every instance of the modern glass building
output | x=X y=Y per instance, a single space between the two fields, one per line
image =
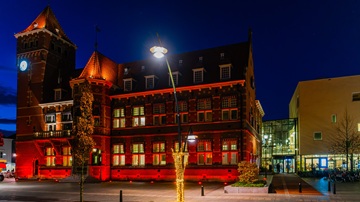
x=279 y=145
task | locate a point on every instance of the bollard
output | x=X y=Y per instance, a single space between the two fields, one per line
x=334 y=188
x=300 y=187
x=329 y=187
x=121 y=196
x=202 y=190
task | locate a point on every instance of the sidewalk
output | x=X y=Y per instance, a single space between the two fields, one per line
x=285 y=183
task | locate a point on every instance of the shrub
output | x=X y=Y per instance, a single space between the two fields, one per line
x=248 y=172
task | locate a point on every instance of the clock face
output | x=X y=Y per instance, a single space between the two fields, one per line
x=23 y=65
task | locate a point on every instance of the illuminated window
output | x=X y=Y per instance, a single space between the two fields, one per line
x=229 y=108
x=198 y=75
x=50 y=156
x=333 y=118
x=176 y=146
x=96 y=157
x=138 y=116
x=159 y=116
x=225 y=71
x=317 y=136
x=119 y=118
x=159 y=155
x=183 y=111
x=118 y=155
x=204 y=155
x=229 y=152
x=67 y=158
x=138 y=156
x=358 y=127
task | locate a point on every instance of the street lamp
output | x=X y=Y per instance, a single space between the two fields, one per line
x=180 y=155
x=266 y=138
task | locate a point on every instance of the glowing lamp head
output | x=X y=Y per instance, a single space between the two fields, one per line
x=158 y=51
x=192 y=138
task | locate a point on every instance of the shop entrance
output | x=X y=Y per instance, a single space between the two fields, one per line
x=284 y=164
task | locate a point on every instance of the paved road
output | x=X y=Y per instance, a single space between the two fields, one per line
x=45 y=191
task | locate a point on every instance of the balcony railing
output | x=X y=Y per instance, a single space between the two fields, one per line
x=52 y=134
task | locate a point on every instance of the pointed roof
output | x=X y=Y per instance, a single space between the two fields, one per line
x=99 y=67
x=46 y=20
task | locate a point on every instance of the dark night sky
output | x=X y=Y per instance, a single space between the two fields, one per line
x=293 y=40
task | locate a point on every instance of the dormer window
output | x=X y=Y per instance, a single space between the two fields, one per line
x=126 y=71
x=175 y=77
x=128 y=84
x=225 y=71
x=142 y=68
x=222 y=56
x=180 y=62
x=150 y=81
x=198 y=75
x=200 y=59
x=57 y=95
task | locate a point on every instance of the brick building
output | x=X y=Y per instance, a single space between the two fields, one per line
x=134 y=109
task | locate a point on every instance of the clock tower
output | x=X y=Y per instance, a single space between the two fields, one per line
x=45 y=60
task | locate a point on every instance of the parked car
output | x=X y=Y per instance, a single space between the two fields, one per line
x=1 y=176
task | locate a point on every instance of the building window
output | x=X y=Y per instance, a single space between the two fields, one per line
x=358 y=127
x=204 y=112
x=204 y=155
x=96 y=121
x=96 y=157
x=333 y=118
x=183 y=111
x=159 y=155
x=222 y=56
x=128 y=84
x=176 y=146
x=356 y=96
x=229 y=108
x=198 y=75
x=51 y=127
x=159 y=116
x=138 y=116
x=229 y=152
x=66 y=116
x=119 y=118
x=50 y=156
x=118 y=155
x=67 y=158
x=175 y=77
x=50 y=118
x=57 y=94
x=138 y=156
x=225 y=72
x=317 y=136
x=149 y=82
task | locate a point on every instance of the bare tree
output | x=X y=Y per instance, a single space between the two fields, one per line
x=83 y=129
x=347 y=140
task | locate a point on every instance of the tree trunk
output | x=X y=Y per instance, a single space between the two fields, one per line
x=82 y=183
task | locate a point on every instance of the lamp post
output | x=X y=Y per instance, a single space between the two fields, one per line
x=265 y=137
x=180 y=154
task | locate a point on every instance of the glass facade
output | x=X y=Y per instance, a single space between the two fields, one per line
x=279 y=145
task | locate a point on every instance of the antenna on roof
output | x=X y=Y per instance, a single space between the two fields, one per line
x=96 y=38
